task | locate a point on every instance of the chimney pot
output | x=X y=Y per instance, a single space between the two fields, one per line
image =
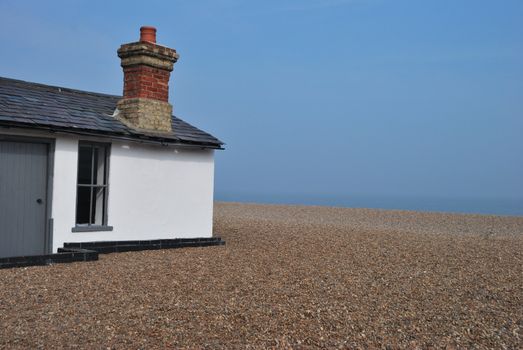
x=148 y=34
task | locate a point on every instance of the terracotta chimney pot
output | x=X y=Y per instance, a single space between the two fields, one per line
x=148 y=34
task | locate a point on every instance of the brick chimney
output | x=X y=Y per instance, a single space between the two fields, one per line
x=146 y=67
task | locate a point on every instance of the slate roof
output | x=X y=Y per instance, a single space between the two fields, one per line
x=37 y=106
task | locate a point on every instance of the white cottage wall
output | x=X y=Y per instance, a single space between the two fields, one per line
x=155 y=192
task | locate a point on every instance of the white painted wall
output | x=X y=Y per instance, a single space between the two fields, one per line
x=155 y=192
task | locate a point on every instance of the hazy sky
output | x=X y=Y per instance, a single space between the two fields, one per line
x=380 y=97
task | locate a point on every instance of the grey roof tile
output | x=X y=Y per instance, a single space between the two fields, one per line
x=37 y=105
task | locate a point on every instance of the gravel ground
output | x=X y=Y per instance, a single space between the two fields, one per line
x=289 y=276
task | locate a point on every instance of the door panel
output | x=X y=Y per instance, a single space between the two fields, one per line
x=23 y=198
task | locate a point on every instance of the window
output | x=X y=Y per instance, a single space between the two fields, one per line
x=92 y=188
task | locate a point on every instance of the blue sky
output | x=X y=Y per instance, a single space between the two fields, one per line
x=314 y=97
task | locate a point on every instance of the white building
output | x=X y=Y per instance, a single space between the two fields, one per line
x=79 y=166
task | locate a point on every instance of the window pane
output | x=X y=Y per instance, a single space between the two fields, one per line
x=99 y=163
x=83 y=205
x=85 y=165
x=98 y=206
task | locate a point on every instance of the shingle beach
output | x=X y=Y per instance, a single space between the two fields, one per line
x=288 y=277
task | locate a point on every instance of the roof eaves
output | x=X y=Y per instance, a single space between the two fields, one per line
x=113 y=135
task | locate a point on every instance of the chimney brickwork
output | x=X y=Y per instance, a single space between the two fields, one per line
x=147 y=67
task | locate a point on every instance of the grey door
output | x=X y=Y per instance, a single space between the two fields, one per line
x=23 y=192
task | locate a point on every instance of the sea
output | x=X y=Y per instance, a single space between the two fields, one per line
x=489 y=206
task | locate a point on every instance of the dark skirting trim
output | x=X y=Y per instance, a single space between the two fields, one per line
x=63 y=256
x=88 y=251
x=104 y=247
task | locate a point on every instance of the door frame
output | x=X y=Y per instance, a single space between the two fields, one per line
x=50 y=142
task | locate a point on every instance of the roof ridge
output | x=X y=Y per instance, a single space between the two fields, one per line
x=62 y=88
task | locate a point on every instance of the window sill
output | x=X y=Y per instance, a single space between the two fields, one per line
x=92 y=228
